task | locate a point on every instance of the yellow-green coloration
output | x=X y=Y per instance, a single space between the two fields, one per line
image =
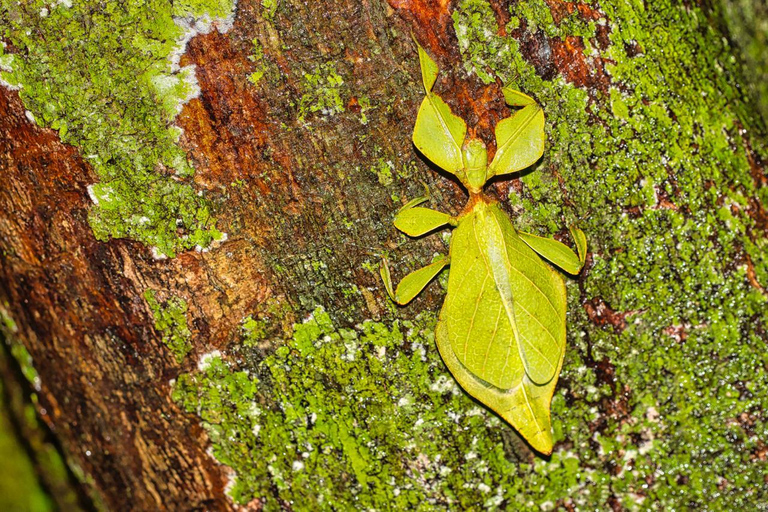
x=690 y=364
x=20 y=488
x=679 y=421
x=258 y=58
x=502 y=326
x=268 y=8
x=322 y=92
x=340 y=419
x=171 y=321
x=383 y=170
x=100 y=74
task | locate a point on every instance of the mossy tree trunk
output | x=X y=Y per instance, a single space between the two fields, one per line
x=300 y=143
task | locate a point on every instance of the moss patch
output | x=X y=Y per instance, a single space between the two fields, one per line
x=358 y=418
x=171 y=320
x=660 y=163
x=100 y=74
x=322 y=92
x=663 y=410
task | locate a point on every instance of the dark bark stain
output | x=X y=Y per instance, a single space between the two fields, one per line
x=103 y=371
x=601 y=314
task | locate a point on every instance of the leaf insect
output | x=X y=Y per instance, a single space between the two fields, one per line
x=501 y=330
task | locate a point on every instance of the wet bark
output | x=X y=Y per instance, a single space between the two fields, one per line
x=78 y=303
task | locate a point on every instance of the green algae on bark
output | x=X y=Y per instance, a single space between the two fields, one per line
x=171 y=320
x=660 y=403
x=656 y=168
x=105 y=76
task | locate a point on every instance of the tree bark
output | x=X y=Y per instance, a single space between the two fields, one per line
x=306 y=214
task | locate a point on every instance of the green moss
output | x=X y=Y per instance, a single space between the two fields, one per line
x=268 y=8
x=660 y=166
x=20 y=488
x=383 y=169
x=257 y=57
x=359 y=418
x=8 y=330
x=100 y=74
x=322 y=92
x=171 y=320
x=748 y=25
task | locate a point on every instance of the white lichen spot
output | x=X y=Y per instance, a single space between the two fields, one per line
x=64 y=3
x=256 y=429
x=443 y=384
x=297 y=465
x=405 y=401
x=157 y=254
x=30 y=116
x=92 y=195
x=43 y=12
x=645 y=447
x=483 y=488
x=231 y=481
x=206 y=359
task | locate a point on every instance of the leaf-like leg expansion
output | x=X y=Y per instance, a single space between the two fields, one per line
x=556 y=252
x=413 y=283
x=417 y=221
x=516 y=98
x=581 y=243
x=414 y=202
x=520 y=141
x=438 y=133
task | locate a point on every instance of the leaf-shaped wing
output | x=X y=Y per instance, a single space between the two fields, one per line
x=429 y=69
x=525 y=406
x=438 y=133
x=502 y=326
x=519 y=140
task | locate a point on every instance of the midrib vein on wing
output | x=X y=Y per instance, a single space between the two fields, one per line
x=490 y=343
x=474 y=315
x=509 y=265
x=518 y=336
x=513 y=136
x=506 y=298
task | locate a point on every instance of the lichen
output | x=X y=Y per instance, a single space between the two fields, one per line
x=321 y=92
x=171 y=321
x=341 y=418
x=383 y=170
x=657 y=175
x=661 y=411
x=101 y=74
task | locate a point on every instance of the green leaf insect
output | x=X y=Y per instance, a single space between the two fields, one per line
x=501 y=330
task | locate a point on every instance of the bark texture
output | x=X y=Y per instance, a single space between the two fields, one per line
x=303 y=172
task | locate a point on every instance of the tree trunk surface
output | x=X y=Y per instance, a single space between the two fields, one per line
x=177 y=378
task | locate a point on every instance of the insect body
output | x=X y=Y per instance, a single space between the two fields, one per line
x=501 y=330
